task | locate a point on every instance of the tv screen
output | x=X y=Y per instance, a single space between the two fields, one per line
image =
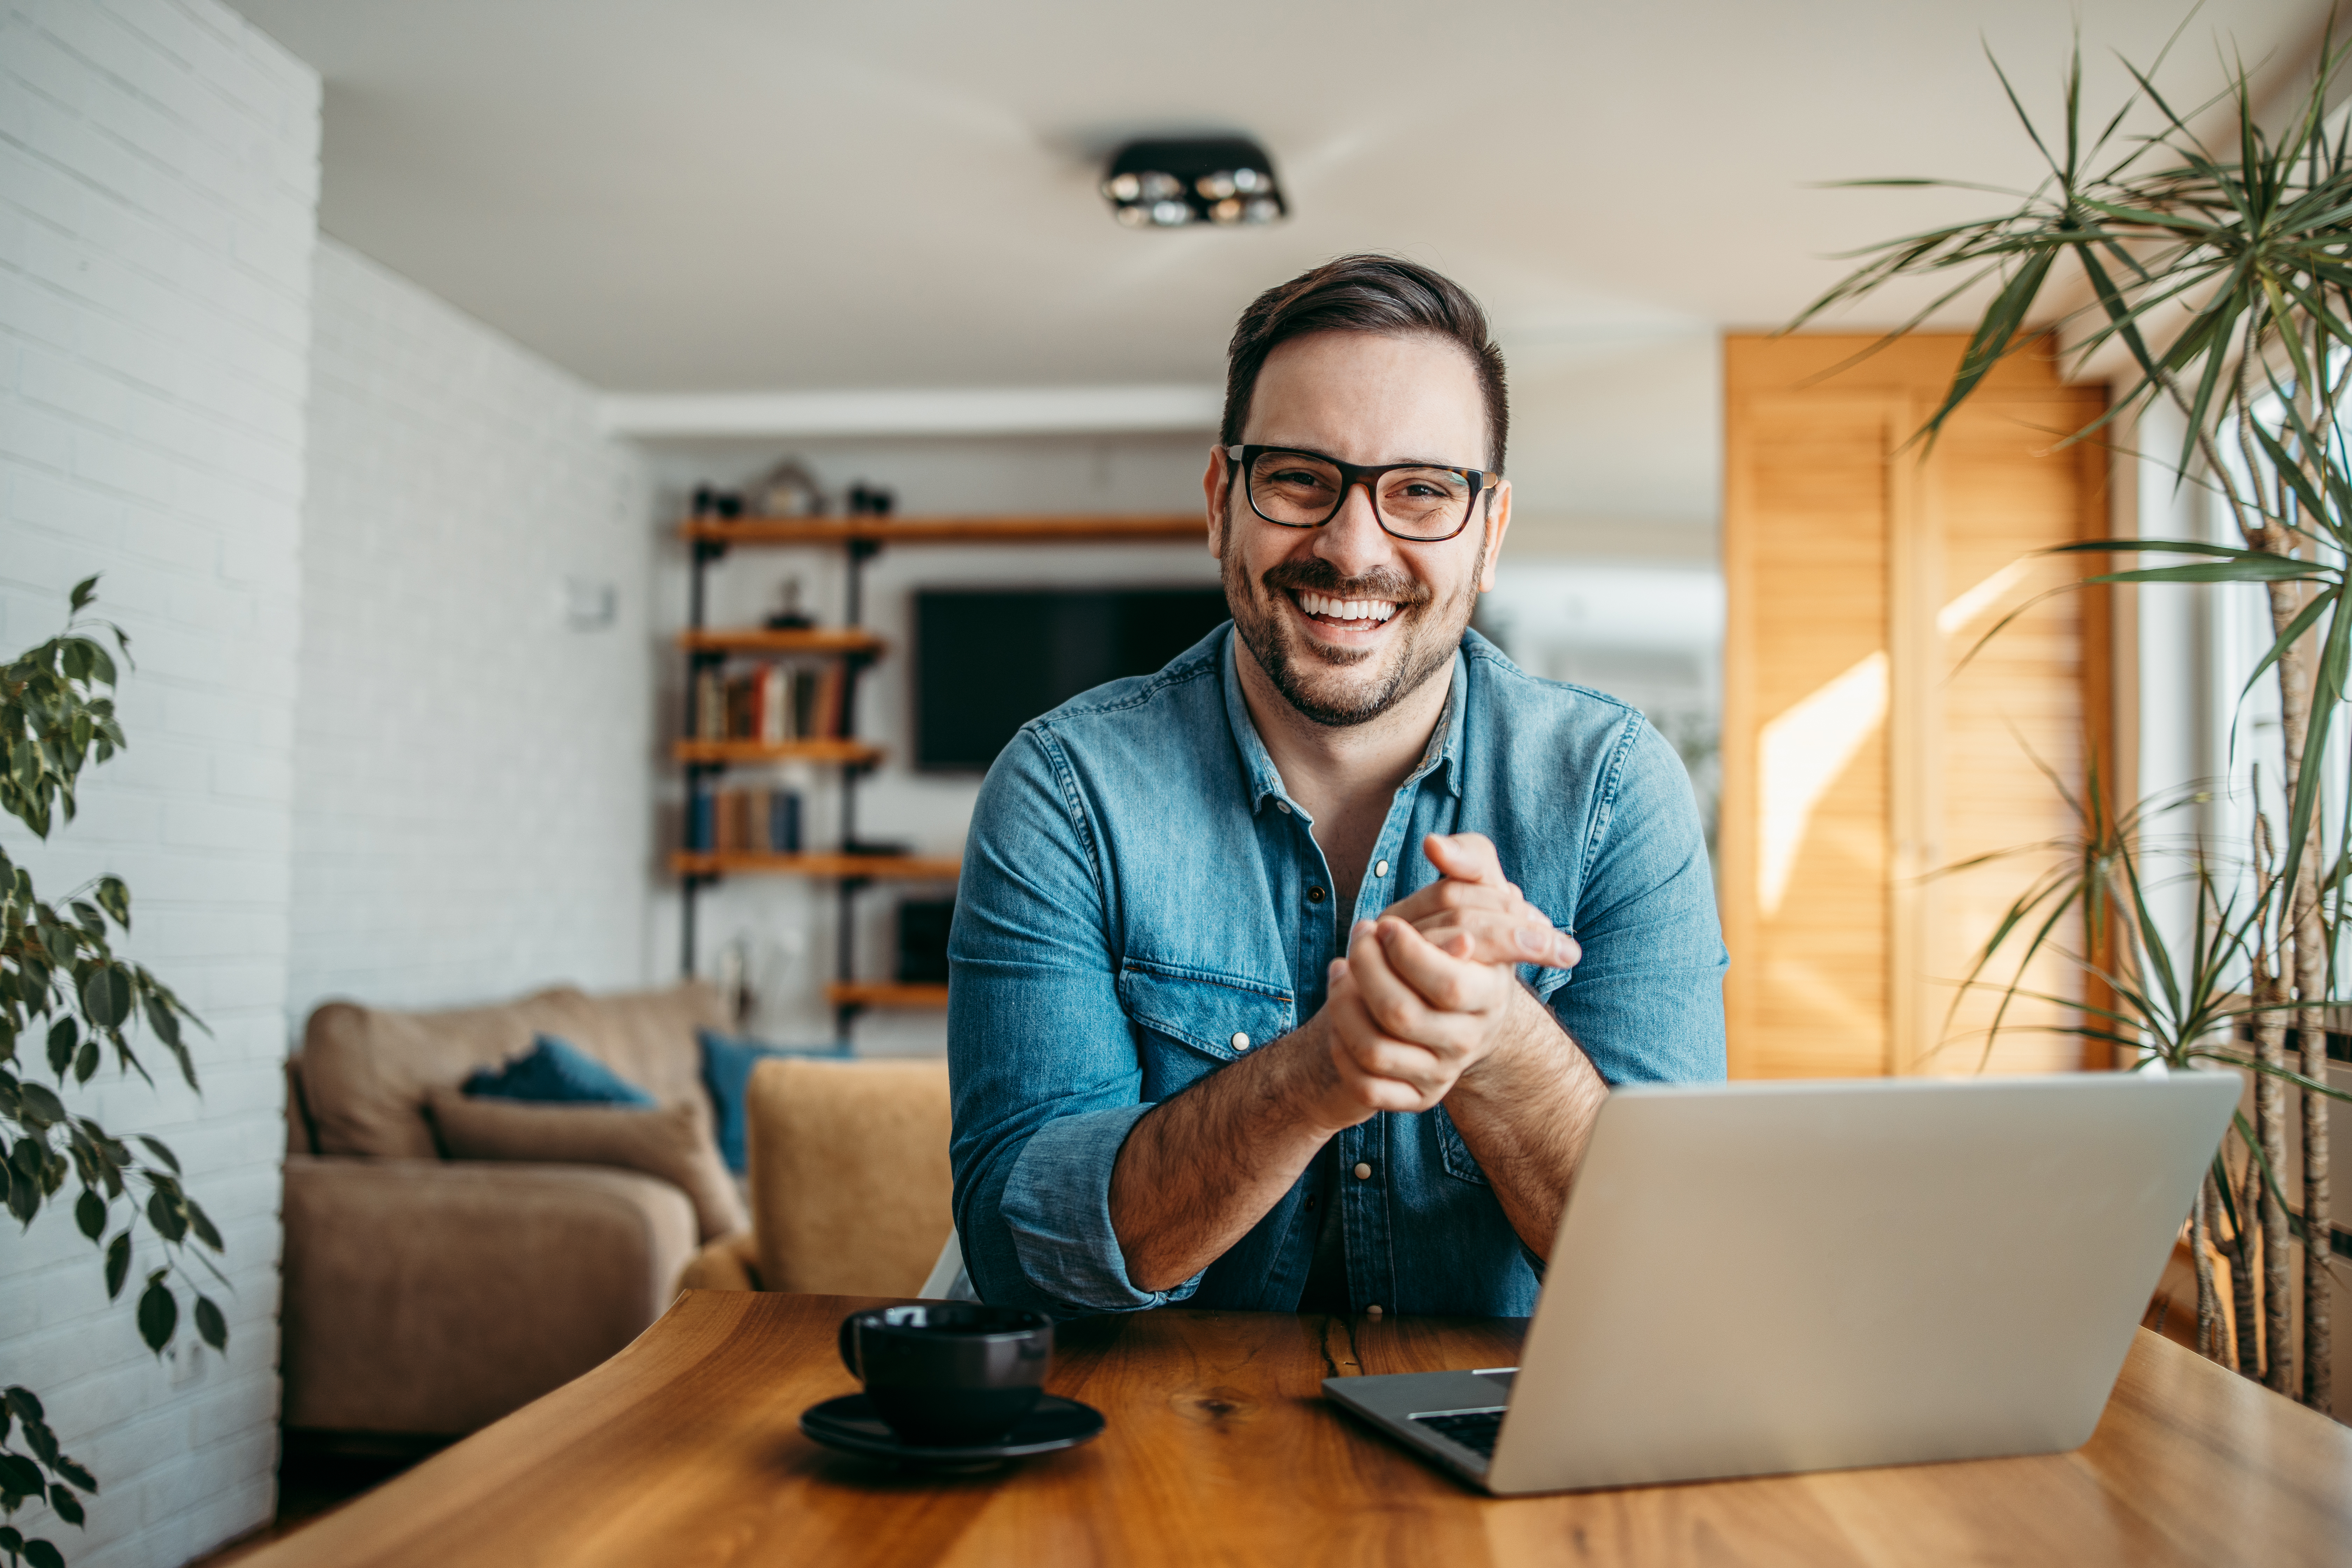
x=987 y=660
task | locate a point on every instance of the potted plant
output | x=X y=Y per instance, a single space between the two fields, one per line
x=2224 y=272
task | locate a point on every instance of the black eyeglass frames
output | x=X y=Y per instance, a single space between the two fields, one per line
x=1420 y=502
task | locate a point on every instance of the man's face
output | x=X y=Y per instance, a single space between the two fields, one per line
x=1345 y=619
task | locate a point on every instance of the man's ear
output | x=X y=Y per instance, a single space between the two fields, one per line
x=1498 y=515
x=1213 y=491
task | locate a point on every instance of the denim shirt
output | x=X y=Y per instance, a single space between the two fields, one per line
x=1143 y=903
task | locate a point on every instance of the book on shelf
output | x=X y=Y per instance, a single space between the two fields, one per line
x=756 y=821
x=770 y=704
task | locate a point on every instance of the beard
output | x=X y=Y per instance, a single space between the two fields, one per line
x=1349 y=694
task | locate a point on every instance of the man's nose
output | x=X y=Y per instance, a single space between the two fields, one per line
x=1353 y=541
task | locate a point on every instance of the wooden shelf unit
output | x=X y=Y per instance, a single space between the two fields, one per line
x=859 y=539
x=1160 y=527
x=886 y=994
x=815 y=863
x=727 y=754
x=762 y=639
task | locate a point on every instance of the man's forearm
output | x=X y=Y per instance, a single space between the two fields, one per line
x=1527 y=1113
x=1198 y=1171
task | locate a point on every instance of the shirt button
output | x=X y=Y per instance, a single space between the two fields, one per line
x=1240 y=1042
x=1283 y=807
x=1379 y=868
x=1363 y=1172
x=1373 y=1310
x=1315 y=895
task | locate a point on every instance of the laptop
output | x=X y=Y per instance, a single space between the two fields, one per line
x=1757 y=1278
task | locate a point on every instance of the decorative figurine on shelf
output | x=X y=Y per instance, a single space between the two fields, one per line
x=870 y=500
x=790 y=618
x=790 y=491
x=710 y=502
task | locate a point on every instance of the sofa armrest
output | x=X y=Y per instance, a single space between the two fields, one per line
x=425 y=1297
x=730 y=1263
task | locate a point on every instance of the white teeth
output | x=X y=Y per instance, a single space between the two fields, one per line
x=1345 y=609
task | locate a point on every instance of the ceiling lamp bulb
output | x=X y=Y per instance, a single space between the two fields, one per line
x=1172 y=182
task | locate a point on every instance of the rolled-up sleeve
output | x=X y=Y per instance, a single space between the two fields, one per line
x=1047 y=1077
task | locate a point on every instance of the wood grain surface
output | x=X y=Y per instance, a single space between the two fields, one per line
x=686 y=1449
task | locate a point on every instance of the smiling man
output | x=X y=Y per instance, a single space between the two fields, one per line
x=1263 y=991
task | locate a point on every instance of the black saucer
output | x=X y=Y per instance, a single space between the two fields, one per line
x=849 y=1424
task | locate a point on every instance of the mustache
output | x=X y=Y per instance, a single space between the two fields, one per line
x=1315 y=575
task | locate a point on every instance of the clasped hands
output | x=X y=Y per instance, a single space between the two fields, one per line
x=1428 y=992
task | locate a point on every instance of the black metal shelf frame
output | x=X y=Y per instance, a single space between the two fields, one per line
x=699 y=776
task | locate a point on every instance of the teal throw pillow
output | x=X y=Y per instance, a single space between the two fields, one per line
x=726 y=1067
x=556 y=1071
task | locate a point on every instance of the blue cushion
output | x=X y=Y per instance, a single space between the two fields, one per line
x=557 y=1071
x=726 y=1067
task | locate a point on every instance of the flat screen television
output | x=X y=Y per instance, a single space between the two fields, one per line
x=987 y=660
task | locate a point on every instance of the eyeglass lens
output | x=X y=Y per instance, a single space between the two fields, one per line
x=1302 y=491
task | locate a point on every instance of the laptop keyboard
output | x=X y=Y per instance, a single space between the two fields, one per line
x=1474 y=1429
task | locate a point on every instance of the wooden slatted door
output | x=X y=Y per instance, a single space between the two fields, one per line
x=1864 y=750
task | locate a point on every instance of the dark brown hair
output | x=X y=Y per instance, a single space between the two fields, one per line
x=1366 y=294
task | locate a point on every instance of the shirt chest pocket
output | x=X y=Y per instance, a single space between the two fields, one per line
x=1453 y=1153
x=1214 y=1018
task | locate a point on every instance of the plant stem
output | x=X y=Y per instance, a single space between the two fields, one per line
x=2269 y=1134
x=2209 y=1301
x=2241 y=1273
x=2318 y=1340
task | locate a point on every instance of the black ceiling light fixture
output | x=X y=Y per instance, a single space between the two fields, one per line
x=1169 y=182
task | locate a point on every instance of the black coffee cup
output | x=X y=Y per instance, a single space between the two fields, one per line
x=955 y=1374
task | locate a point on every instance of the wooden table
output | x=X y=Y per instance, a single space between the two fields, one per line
x=685 y=1448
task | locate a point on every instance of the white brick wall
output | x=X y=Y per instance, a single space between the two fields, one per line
x=472 y=776
x=158 y=186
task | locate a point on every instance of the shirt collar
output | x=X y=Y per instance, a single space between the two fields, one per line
x=1443 y=751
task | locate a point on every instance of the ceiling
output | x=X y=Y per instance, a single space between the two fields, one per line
x=715 y=195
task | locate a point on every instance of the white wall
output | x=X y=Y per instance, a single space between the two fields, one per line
x=473 y=811
x=158 y=178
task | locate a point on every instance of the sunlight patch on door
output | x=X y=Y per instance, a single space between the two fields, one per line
x=1802 y=752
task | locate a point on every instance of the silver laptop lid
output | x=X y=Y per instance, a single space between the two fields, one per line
x=1759 y=1278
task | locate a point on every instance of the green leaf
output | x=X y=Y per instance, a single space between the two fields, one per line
x=155 y=1146
x=118 y=1264
x=200 y=1223
x=26 y=1404
x=41 y=1105
x=106 y=996
x=63 y=1037
x=68 y=1506
x=85 y=1065
x=10 y=1539
x=41 y=1554
x=165 y=1215
x=42 y=1441
x=89 y=1213
x=21 y=1476
x=76 y=1473
x=159 y=1314
x=114 y=897
x=211 y=1325
x=84 y=591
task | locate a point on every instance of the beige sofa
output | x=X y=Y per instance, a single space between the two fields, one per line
x=432 y=1297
